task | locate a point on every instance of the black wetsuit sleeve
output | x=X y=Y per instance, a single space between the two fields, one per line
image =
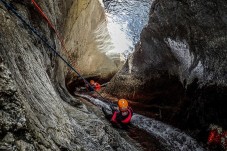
x=113 y=107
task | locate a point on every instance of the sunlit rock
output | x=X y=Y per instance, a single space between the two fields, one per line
x=87 y=39
x=36 y=110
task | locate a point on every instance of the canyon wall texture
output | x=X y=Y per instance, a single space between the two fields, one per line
x=179 y=65
x=36 y=111
x=87 y=38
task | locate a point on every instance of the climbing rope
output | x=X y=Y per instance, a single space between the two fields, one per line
x=49 y=23
x=9 y=7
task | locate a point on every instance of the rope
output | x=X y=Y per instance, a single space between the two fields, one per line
x=49 y=23
x=9 y=7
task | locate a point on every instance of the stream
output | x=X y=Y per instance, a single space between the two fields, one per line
x=172 y=138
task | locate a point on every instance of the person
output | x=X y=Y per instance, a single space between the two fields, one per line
x=95 y=85
x=121 y=115
x=217 y=136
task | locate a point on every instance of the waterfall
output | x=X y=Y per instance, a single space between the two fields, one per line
x=124 y=22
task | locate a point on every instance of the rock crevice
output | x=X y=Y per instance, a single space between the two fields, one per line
x=36 y=111
x=181 y=57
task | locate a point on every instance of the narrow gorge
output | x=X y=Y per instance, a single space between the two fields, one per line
x=168 y=59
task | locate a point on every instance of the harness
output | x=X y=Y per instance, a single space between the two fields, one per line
x=126 y=120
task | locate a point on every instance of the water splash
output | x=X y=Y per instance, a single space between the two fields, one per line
x=120 y=39
x=171 y=137
x=94 y=101
x=111 y=40
x=125 y=21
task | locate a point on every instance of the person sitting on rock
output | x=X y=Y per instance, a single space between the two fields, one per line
x=121 y=115
x=95 y=86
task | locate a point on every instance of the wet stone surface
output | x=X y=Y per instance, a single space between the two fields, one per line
x=179 y=65
x=36 y=110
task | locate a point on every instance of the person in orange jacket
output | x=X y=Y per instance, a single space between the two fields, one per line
x=217 y=136
x=120 y=117
x=95 y=85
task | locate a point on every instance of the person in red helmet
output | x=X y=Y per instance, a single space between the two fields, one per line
x=120 y=116
x=95 y=85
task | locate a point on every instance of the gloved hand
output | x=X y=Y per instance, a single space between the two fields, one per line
x=113 y=107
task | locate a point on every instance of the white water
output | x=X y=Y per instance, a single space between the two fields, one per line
x=171 y=137
x=125 y=20
x=118 y=33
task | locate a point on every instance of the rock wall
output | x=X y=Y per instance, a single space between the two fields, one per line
x=179 y=65
x=36 y=111
x=86 y=33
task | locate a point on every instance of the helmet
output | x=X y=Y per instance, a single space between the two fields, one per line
x=92 y=81
x=123 y=104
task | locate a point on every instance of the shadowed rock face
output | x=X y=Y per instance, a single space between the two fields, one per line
x=179 y=66
x=36 y=111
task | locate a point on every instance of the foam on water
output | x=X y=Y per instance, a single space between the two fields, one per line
x=95 y=101
x=171 y=137
x=125 y=20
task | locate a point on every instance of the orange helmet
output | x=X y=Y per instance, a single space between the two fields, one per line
x=123 y=104
x=92 y=81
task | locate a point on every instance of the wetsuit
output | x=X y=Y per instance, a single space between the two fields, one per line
x=119 y=118
x=96 y=86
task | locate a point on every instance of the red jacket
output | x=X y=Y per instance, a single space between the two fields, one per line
x=96 y=86
x=119 y=118
x=218 y=138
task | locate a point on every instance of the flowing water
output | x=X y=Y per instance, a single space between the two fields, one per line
x=126 y=20
x=172 y=138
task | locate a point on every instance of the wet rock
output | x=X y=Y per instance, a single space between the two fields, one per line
x=179 y=65
x=12 y=114
x=7 y=142
x=86 y=39
x=22 y=145
x=8 y=138
x=36 y=111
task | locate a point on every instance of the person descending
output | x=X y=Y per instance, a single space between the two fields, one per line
x=120 y=116
x=95 y=85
